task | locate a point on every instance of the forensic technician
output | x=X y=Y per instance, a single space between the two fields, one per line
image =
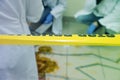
x=99 y=13
x=53 y=13
x=17 y=62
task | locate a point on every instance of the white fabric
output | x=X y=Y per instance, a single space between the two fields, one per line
x=17 y=62
x=43 y=28
x=58 y=8
x=111 y=19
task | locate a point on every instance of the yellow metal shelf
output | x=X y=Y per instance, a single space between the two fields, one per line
x=75 y=40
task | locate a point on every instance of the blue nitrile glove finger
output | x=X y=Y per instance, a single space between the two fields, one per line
x=91 y=29
x=49 y=19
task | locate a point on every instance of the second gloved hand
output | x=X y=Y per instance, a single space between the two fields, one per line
x=92 y=28
x=49 y=19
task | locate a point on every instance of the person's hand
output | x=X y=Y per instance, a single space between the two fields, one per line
x=49 y=19
x=92 y=28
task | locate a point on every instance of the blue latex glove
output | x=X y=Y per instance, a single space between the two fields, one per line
x=49 y=19
x=91 y=29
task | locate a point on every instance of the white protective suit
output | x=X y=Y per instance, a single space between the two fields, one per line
x=17 y=62
x=108 y=9
x=58 y=8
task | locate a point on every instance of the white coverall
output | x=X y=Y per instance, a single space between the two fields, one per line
x=58 y=8
x=108 y=9
x=17 y=62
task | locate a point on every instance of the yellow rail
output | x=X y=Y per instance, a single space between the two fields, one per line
x=75 y=40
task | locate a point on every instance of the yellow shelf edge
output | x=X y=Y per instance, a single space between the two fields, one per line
x=75 y=40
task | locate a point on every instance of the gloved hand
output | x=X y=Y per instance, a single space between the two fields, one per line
x=92 y=28
x=49 y=19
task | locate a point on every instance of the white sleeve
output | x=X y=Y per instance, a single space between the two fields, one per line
x=112 y=20
x=34 y=10
x=59 y=9
x=112 y=17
